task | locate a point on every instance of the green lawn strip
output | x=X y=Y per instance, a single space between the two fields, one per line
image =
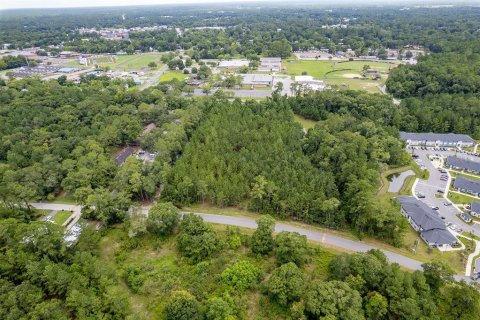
x=39 y=213
x=61 y=216
x=171 y=74
x=306 y=123
x=458 y=198
x=467 y=176
x=470 y=235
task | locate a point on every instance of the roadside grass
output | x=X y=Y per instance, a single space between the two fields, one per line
x=39 y=213
x=467 y=176
x=172 y=74
x=306 y=123
x=64 y=198
x=470 y=235
x=458 y=198
x=61 y=217
x=423 y=253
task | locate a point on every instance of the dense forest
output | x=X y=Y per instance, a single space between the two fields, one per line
x=247 y=31
x=183 y=270
x=441 y=92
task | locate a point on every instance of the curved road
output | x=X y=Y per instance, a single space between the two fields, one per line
x=317 y=236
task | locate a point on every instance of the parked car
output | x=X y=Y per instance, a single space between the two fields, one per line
x=440 y=191
x=420 y=195
x=475 y=276
x=447 y=204
x=435 y=208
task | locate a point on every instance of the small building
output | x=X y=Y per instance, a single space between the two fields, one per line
x=123 y=155
x=463 y=164
x=68 y=54
x=466 y=217
x=270 y=64
x=467 y=186
x=475 y=209
x=437 y=139
x=257 y=80
x=307 y=82
x=67 y=69
x=421 y=217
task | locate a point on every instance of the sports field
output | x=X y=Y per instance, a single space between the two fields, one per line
x=347 y=74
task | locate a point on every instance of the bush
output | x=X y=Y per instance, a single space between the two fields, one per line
x=182 y=306
x=242 y=275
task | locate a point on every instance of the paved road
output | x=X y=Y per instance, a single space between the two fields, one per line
x=76 y=210
x=429 y=189
x=317 y=236
x=154 y=79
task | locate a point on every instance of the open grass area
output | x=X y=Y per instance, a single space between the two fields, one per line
x=344 y=74
x=171 y=74
x=458 y=198
x=156 y=268
x=127 y=62
x=467 y=176
x=306 y=123
x=61 y=216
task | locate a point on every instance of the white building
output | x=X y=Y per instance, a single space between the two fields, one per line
x=233 y=64
x=308 y=83
x=257 y=80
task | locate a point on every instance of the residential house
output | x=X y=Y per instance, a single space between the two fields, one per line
x=424 y=220
x=466 y=185
x=463 y=164
x=437 y=139
x=466 y=217
x=475 y=209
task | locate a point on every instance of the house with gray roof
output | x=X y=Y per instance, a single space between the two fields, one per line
x=437 y=139
x=424 y=220
x=475 y=209
x=466 y=185
x=463 y=164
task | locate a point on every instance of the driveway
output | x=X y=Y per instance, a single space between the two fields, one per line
x=429 y=189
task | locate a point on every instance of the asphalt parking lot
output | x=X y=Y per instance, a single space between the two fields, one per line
x=429 y=189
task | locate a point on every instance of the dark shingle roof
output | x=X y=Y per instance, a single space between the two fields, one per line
x=439 y=236
x=467 y=184
x=475 y=207
x=445 y=137
x=434 y=229
x=462 y=163
x=124 y=154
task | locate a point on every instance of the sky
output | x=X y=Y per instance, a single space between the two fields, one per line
x=11 y=4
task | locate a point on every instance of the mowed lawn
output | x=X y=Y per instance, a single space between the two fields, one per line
x=170 y=75
x=130 y=62
x=341 y=73
x=61 y=216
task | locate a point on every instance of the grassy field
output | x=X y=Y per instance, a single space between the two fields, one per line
x=161 y=270
x=61 y=217
x=170 y=75
x=458 y=198
x=341 y=73
x=306 y=123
